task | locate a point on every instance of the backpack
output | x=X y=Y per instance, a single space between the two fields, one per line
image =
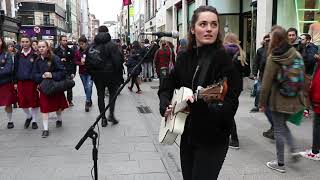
x=96 y=60
x=291 y=78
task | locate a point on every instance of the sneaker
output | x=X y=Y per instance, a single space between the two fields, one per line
x=255 y=109
x=45 y=133
x=27 y=123
x=10 y=125
x=269 y=134
x=104 y=122
x=34 y=125
x=309 y=155
x=234 y=144
x=139 y=92
x=113 y=120
x=58 y=124
x=275 y=166
x=306 y=113
x=130 y=89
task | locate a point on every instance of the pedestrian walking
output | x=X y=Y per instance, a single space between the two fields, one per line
x=309 y=50
x=49 y=66
x=232 y=45
x=148 y=62
x=205 y=140
x=285 y=99
x=133 y=60
x=80 y=59
x=314 y=152
x=258 y=69
x=28 y=95
x=7 y=92
x=108 y=76
x=66 y=56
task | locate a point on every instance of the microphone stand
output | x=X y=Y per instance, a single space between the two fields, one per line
x=94 y=135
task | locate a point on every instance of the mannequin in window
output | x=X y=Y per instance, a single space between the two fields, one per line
x=314 y=31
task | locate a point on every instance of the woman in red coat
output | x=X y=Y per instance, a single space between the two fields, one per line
x=49 y=66
x=28 y=95
x=7 y=92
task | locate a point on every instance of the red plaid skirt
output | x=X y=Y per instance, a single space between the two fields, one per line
x=8 y=94
x=53 y=103
x=28 y=95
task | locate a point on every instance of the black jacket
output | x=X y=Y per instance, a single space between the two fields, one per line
x=206 y=123
x=260 y=62
x=308 y=53
x=69 y=64
x=110 y=52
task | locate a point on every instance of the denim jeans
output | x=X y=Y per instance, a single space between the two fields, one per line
x=87 y=85
x=147 y=70
x=282 y=133
x=256 y=99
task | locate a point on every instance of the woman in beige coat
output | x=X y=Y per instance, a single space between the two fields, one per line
x=280 y=53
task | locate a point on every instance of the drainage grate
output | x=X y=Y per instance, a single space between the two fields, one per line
x=154 y=87
x=144 y=109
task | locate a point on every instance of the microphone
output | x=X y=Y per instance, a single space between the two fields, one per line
x=173 y=34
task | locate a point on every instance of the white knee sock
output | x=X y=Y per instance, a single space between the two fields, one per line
x=34 y=113
x=9 y=115
x=45 y=121
x=59 y=117
x=27 y=111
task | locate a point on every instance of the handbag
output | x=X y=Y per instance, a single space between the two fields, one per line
x=51 y=87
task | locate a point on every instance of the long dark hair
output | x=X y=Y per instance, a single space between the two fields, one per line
x=195 y=16
x=4 y=45
x=278 y=38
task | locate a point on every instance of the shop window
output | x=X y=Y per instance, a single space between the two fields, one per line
x=46 y=19
x=191 y=8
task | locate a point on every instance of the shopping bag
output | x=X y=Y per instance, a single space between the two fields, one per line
x=296 y=118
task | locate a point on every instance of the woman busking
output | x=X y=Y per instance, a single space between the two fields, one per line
x=205 y=140
x=49 y=66
x=7 y=91
x=28 y=95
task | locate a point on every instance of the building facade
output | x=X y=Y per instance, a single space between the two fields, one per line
x=84 y=27
x=45 y=21
x=9 y=26
x=93 y=26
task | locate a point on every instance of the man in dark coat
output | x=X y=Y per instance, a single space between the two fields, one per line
x=109 y=76
x=66 y=55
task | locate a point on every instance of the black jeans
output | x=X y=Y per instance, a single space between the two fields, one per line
x=201 y=162
x=316 y=133
x=101 y=85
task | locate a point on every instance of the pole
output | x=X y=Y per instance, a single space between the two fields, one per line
x=128 y=35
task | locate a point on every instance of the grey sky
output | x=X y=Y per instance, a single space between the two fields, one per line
x=105 y=10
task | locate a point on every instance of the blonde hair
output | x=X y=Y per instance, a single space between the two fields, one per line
x=232 y=38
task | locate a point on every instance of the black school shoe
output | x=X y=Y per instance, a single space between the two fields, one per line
x=58 y=124
x=10 y=125
x=27 y=123
x=45 y=133
x=34 y=125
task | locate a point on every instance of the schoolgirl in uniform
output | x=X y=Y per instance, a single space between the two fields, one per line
x=7 y=92
x=49 y=66
x=28 y=95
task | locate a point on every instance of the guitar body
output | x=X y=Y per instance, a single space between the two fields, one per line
x=173 y=125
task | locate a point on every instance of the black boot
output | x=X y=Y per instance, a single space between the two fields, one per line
x=113 y=120
x=104 y=122
x=269 y=134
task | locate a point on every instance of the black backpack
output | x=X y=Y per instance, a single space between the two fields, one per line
x=96 y=59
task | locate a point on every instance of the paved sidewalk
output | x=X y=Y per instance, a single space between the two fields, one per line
x=130 y=150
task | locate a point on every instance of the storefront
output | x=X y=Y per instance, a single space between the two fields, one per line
x=299 y=14
x=49 y=34
x=9 y=29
